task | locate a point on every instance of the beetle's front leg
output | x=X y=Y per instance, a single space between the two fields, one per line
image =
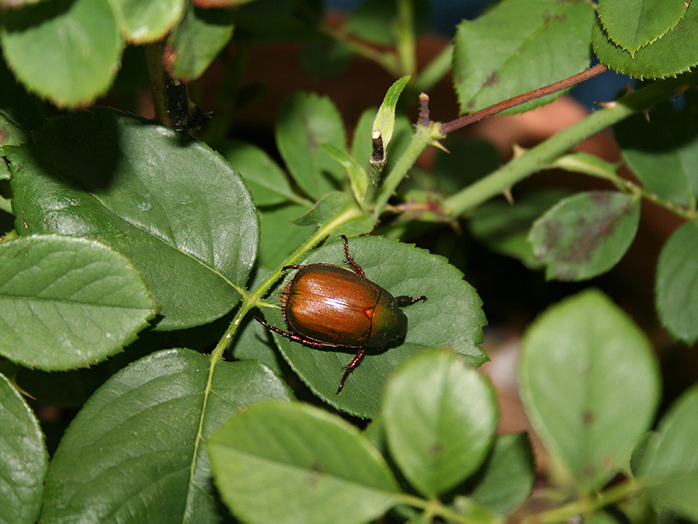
x=357 y=269
x=350 y=367
x=404 y=300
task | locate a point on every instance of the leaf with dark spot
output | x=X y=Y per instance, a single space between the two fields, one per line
x=585 y=235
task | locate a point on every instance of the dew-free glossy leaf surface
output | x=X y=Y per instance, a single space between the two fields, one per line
x=68 y=52
x=144 y=21
x=166 y=201
x=632 y=24
x=517 y=46
x=451 y=318
x=674 y=53
x=440 y=417
x=677 y=283
x=136 y=452
x=586 y=234
x=68 y=302
x=296 y=463
x=663 y=151
x=581 y=363
x=669 y=464
x=23 y=458
x=305 y=122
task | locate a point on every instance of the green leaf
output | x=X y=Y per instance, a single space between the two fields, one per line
x=440 y=420
x=23 y=458
x=663 y=152
x=68 y=302
x=136 y=448
x=165 y=200
x=586 y=234
x=587 y=164
x=385 y=118
x=451 y=318
x=338 y=206
x=504 y=227
x=674 y=53
x=198 y=38
x=296 y=463
x=508 y=475
x=279 y=235
x=669 y=464
x=546 y=41
x=581 y=362
x=144 y=21
x=357 y=174
x=66 y=51
x=677 y=274
x=632 y=24
x=266 y=180
x=306 y=122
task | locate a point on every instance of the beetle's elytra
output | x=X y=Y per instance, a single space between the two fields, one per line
x=332 y=306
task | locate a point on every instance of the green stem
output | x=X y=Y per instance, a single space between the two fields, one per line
x=536 y=158
x=434 y=71
x=423 y=137
x=587 y=506
x=254 y=298
x=387 y=60
x=156 y=74
x=406 y=47
x=433 y=508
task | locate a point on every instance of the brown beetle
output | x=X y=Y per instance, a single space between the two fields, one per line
x=332 y=306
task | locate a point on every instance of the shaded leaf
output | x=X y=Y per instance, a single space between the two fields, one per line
x=632 y=24
x=68 y=302
x=440 y=416
x=451 y=318
x=66 y=51
x=663 y=152
x=23 y=458
x=198 y=38
x=333 y=206
x=265 y=179
x=279 y=235
x=580 y=363
x=141 y=434
x=546 y=41
x=669 y=463
x=144 y=21
x=504 y=227
x=165 y=200
x=305 y=122
x=321 y=467
x=508 y=475
x=676 y=288
x=586 y=234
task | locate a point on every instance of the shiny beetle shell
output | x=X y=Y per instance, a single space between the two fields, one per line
x=335 y=306
x=326 y=305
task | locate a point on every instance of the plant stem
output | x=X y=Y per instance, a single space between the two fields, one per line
x=586 y=506
x=538 y=157
x=423 y=137
x=434 y=71
x=156 y=75
x=406 y=47
x=526 y=97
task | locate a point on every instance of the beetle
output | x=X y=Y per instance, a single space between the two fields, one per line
x=331 y=306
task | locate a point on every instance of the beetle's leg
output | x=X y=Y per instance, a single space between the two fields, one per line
x=350 y=260
x=291 y=336
x=404 y=300
x=350 y=367
x=294 y=266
